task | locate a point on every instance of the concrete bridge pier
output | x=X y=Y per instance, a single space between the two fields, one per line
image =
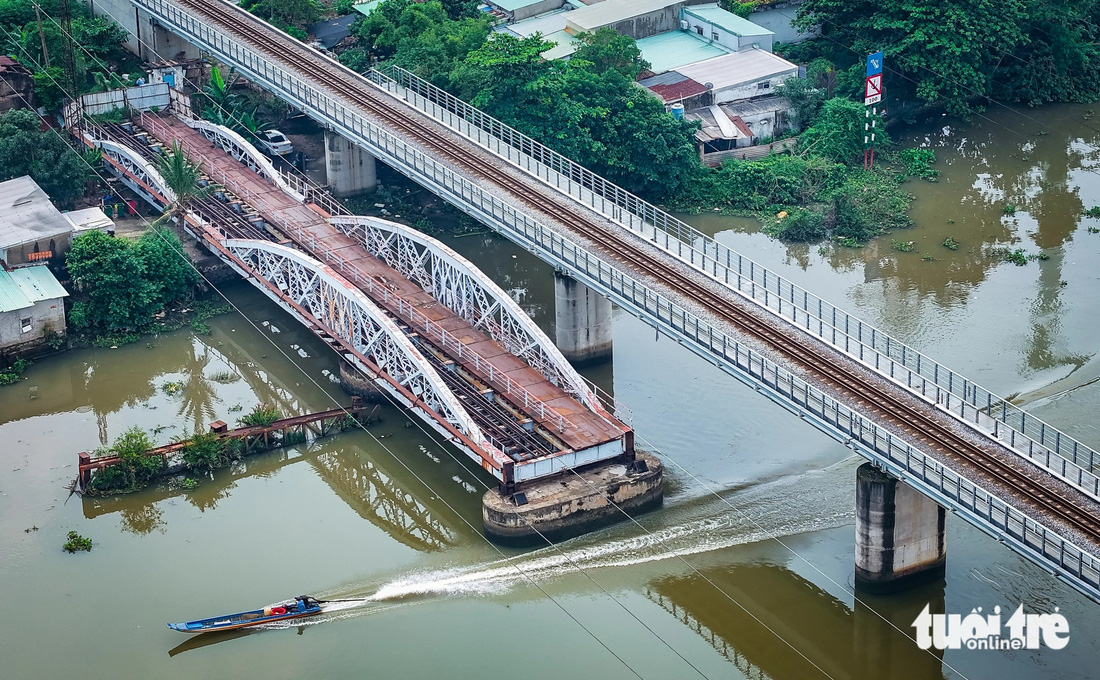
x=349 y=168
x=582 y=329
x=899 y=534
x=359 y=384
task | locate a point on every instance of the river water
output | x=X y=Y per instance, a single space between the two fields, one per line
x=745 y=572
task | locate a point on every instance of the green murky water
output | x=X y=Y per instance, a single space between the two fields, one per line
x=704 y=590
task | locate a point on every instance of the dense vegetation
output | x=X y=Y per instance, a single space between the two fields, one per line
x=122 y=283
x=100 y=62
x=587 y=108
x=25 y=149
x=134 y=469
x=955 y=54
x=590 y=109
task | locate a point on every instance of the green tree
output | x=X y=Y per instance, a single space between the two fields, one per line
x=135 y=468
x=837 y=133
x=804 y=97
x=958 y=52
x=25 y=149
x=420 y=37
x=182 y=177
x=100 y=36
x=608 y=49
x=870 y=203
x=167 y=266
x=117 y=295
x=290 y=12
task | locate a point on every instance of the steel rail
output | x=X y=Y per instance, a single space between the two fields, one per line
x=817 y=361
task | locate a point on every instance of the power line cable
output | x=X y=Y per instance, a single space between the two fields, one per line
x=694 y=477
x=727 y=595
x=506 y=558
x=578 y=567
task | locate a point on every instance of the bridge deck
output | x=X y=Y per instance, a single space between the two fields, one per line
x=308 y=227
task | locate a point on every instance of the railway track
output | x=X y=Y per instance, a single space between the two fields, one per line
x=817 y=361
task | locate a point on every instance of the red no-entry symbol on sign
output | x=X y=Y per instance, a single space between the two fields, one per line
x=872 y=93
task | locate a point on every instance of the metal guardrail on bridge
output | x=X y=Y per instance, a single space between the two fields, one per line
x=1013 y=427
x=944 y=485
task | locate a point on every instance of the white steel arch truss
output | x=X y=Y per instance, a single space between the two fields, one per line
x=464 y=289
x=320 y=292
x=244 y=151
x=133 y=163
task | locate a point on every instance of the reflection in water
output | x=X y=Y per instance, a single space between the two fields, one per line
x=141 y=519
x=780 y=610
x=375 y=496
x=198 y=395
x=357 y=480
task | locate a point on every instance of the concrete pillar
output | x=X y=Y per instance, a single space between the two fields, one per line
x=899 y=534
x=349 y=168
x=359 y=384
x=583 y=321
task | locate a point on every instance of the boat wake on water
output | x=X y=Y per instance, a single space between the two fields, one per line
x=693 y=526
x=791 y=505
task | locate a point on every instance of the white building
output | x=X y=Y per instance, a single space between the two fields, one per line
x=725 y=28
x=32 y=304
x=740 y=75
x=31 y=228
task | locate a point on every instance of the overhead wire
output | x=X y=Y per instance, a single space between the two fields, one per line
x=506 y=558
x=710 y=489
x=540 y=534
x=447 y=450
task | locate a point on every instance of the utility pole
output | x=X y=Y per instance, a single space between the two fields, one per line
x=42 y=36
x=65 y=18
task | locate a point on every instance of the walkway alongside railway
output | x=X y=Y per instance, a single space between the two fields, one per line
x=1025 y=483
x=564 y=422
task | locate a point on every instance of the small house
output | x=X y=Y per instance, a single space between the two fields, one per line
x=31 y=228
x=32 y=306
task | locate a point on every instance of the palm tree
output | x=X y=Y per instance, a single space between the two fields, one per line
x=182 y=177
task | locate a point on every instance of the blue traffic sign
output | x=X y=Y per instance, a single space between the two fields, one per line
x=874 y=64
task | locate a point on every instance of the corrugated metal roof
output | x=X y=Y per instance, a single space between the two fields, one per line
x=737 y=68
x=673 y=86
x=11 y=295
x=24 y=287
x=512 y=5
x=365 y=8
x=727 y=20
x=565 y=46
x=38 y=283
x=88 y=218
x=26 y=214
x=608 y=12
x=756 y=107
x=547 y=23
x=669 y=51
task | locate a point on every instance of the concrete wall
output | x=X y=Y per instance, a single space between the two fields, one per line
x=659 y=21
x=536 y=9
x=777 y=19
x=18 y=254
x=151 y=43
x=582 y=328
x=349 y=168
x=45 y=316
x=124 y=14
x=730 y=41
x=752 y=89
x=899 y=533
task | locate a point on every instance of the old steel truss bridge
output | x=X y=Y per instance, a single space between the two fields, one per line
x=418 y=320
x=1015 y=477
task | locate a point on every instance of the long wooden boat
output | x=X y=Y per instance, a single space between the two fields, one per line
x=300 y=607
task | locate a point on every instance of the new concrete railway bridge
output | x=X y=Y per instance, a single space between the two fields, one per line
x=950 y=442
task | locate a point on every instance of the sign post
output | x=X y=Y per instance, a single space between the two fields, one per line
x=872 y=94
